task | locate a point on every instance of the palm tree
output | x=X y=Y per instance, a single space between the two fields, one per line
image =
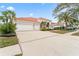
x=2 y=18
x=64 y=17
x=9 y=16
x=12 y=16
x=68 y=12
x=67 y=19
x=66 y=6
x=43 y=24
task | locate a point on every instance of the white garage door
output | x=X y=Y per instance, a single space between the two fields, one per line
x=27 y=26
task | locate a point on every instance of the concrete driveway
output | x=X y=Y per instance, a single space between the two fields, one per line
x=44 y=43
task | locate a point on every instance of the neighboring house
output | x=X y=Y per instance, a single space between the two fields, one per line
x=62 y=24
x=57 y=24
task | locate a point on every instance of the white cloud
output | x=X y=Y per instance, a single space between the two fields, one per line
x=10 y=8
x=31 y=14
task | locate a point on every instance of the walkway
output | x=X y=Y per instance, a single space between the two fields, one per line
x=44 y=43
x=10 y=50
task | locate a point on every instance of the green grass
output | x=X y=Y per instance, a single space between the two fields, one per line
x=19 y=54
x=8 y=41
x=76 y=34
x=60 y=31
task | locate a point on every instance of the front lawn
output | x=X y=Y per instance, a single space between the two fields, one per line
x=8 y=41
x=60 y=31
x=76 y=34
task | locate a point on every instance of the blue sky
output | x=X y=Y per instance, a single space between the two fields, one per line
x=31 y=9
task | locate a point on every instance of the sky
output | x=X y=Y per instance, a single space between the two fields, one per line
x=36 y=10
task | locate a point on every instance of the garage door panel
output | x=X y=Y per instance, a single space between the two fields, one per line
x=27 y=27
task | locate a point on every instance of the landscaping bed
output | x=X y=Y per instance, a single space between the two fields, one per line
x=8 y=41
x=76 y=34
x=20 y=54
x=60 y=31
x=8 y=35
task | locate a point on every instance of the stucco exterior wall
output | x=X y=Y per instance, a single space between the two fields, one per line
x=26 y=25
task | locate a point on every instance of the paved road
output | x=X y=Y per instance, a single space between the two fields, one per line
x=44 y=43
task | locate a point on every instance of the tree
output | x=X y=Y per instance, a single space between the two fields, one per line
x=66 y=7
x=47 y=25
x=64 y=17
x=67 y=19
x=67 y=12
x=9 y=16
x=8 y=25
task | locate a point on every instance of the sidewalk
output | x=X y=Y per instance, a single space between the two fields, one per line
x=10 y=50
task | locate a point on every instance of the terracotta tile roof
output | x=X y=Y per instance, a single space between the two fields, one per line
x=31 y=19
x=28 y=19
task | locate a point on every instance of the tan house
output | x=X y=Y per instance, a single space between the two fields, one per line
x=29 y=23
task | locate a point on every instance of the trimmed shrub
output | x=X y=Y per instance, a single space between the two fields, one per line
x=59 y=28
x=43 y=29
x=7 y=28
